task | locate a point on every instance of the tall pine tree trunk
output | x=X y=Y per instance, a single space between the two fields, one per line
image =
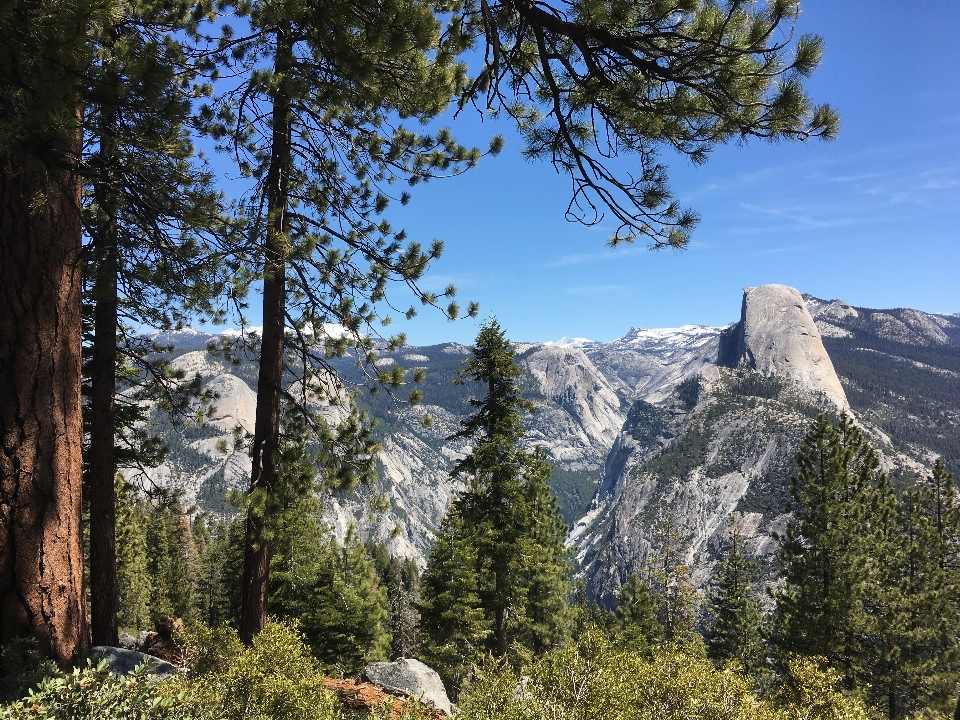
x=102 y=464
x=266 y=437
x=500 y=616
x=41 y=428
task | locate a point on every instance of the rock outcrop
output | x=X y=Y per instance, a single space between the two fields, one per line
x=412 y=677
x=693 y=423
x=584 y=417
x=777 y=336
x=123 y=661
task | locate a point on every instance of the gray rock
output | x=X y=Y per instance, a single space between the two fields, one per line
x=122 y=661
x=776 y=335
x=142 y=637
x=127 y=641
x=412 y=677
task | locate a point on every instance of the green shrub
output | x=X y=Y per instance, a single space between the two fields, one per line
x=94 y=692
x=22 y=668
x=276 y=677
x=597 y=679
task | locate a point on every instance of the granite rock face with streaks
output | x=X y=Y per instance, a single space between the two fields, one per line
x=776 y=335
x=694 y=423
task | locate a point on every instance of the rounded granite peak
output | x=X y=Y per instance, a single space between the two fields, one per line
x=777 y=335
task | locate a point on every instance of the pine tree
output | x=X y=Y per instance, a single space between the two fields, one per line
x=826 y=554
x=44 y=52
x=492 y=506
x=332 y=590
x=404 y=615
x=669 y=579
x=502 y=548
x=219 y=571
x=637 y=623
x=912 y=659
x=150 y=214
x=919 y=625
x=134 y=581
x=588 y=82
x=401 y=580
x=331 y=75
x=451 y=615
x=545 y=562
x=172 y=562
x=736 y=614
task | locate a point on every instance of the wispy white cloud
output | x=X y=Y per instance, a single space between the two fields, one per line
x=584 y=290
x=780 y=250
x=604 y=255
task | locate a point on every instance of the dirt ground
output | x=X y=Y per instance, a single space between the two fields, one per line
x=355 y=695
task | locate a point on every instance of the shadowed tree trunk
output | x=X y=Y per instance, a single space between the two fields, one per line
x=41 y=553
x=102 y=464
x=266 y=437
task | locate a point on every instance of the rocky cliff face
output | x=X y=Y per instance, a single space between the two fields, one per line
x=693 y=423
x=776 y=336
x=724 y=442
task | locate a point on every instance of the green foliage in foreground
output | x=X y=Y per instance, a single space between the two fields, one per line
x=595 y=678
x=94 y=692
x=275 y=678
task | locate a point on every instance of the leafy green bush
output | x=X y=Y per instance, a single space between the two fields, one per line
x=276 y=677
x=94 y=692
x=597 y=679
x=22 y=668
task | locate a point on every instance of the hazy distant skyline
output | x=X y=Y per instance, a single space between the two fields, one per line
x=871 y=218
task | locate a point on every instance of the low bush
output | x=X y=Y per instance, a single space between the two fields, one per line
x=276 y=677
x=94 y=692
x=597 y=679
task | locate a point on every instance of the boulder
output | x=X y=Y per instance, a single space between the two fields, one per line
x=122 y=661
x=411 y=677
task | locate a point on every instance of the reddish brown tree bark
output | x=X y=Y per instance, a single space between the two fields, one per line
x=41 y=553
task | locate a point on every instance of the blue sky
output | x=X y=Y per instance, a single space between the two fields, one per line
x=871 y=218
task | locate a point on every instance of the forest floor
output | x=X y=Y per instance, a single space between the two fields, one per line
x=362 y=696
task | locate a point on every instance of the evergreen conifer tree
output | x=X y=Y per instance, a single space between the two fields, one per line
x=919 y=625
x=219 y=571
x=332 y=590
x=637 y=623
x=545 y=563
x=151 y=216
x=669 y=579
x=401 y=580
x=826 y=555
x=736 y=614
x=134 y=581
x=506 y=521
x=912 y=655
x=451 y=615
x=44 y=51
x=172 y=562
x=404 y=615
x=322 y=158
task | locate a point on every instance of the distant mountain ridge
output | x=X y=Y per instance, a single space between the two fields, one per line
x=650 y=424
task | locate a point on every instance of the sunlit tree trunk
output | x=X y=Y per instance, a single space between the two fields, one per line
x=41 y=554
